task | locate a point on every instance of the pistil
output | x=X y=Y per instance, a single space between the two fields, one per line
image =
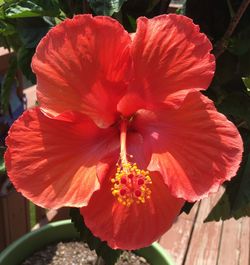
x=130 y=184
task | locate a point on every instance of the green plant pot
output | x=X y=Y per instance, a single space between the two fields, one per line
x=64 y=230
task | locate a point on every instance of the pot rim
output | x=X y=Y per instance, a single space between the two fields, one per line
x=64 y=230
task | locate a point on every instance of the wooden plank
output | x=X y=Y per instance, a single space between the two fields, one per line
x=18 y=210
x=3 y=220
x=177 y=238
x=14 y=219
x=231 y=242
x=245 y=242
x=204 y=245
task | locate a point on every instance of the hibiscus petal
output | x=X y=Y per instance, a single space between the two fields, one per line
x=131 y=227
x=170 y=58
x=82 y=65
x=53 y=162
x=195 y=148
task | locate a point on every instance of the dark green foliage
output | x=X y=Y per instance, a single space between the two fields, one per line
x=237 y=104
x=106 y=7
x=24 y=57
x=132 y=9
x=246 y=81
x=32 y=8
x=6 y=28
x=187 y=207
x=7 y=83
x=235 y=202
x=240 y=44
x=70 y=7
x=137 y=8
x=22 y=26
x=223 y=210
x=73 y=7
x=211 y=15
x=2 y=165
x=31 y=30
x=229 y=92
x=109 y=255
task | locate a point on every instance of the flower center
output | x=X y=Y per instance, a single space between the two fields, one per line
x=130 y=184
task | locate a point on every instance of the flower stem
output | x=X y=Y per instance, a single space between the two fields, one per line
x=100 y=261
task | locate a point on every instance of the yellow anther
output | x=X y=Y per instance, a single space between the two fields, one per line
x=131 y=184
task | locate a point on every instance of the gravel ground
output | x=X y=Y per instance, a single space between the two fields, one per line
x=76 y=253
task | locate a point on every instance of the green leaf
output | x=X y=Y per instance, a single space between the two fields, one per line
x=226 y=68
x=236 y=104
x=24 y=57
x=240 y=44
x=109 y=255
x=137 y=8
x=71 y=7
x=2 y=14
x=244 y=64
x=235 y=202
x=65 y=7
x=13 y=41
x=7 y=83
x=6 y=28
x=152 y=4
x=222 y=210
x=187 y=207
x=32 y=30
x=246 y=81
x=131 y=25
x=2 y=164
x=212 y=16
x=240 y=193
x=106 y=7
x=34 y=8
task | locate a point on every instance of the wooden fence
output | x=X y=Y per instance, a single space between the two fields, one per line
x=15 y=215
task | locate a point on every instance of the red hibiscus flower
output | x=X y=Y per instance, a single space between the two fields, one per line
x=122 y=130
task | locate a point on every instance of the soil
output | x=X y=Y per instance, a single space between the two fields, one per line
x=76 y=253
